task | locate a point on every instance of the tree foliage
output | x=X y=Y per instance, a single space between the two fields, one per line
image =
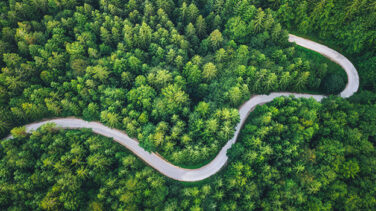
x=291 y=154
x=172 y=74
x=138 y=64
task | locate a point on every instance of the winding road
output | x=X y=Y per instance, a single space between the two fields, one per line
x=191 y=175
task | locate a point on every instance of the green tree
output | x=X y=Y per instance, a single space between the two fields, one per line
x=259 y=20
x=216 y=39
x=209 y=71
x=235 y=95
x=332 y=84
x=98 y=72
x=160 y=79
x=174 y=97
x=192 y=13
x=201 y=26
x=350 y=169
x=144 y=35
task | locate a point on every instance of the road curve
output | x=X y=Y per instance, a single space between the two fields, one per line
x=191 y=175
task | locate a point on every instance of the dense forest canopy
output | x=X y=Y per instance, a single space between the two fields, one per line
x=349 y=25
x=169 y=73
x=291 y=154
x=172 y=74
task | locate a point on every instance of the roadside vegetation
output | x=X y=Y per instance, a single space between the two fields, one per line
x=172 y=74
x=291 y=154
x=169 y=73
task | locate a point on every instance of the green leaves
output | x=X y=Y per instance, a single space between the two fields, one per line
x=174 y=98
x=209 y=71
x=75 y=49
x=350 y=169
x=142 y=96
x=110 y=118
x=98 y=72
x=216 y=39
x=144 y=37
x=19 y=132
x=236 y=29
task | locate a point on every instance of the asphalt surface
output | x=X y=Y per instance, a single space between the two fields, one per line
x=191 y=175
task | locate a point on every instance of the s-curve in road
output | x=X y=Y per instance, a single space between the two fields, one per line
x=190 y=175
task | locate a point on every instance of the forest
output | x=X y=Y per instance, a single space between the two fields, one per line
x=165 y=81
x=293 y=154
x=172 y=74
x=349 y=26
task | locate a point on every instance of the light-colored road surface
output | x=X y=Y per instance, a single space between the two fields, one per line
x=190 y=175
x=352 y=75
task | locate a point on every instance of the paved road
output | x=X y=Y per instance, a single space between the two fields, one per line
x=352 y=75
x=190 y=175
